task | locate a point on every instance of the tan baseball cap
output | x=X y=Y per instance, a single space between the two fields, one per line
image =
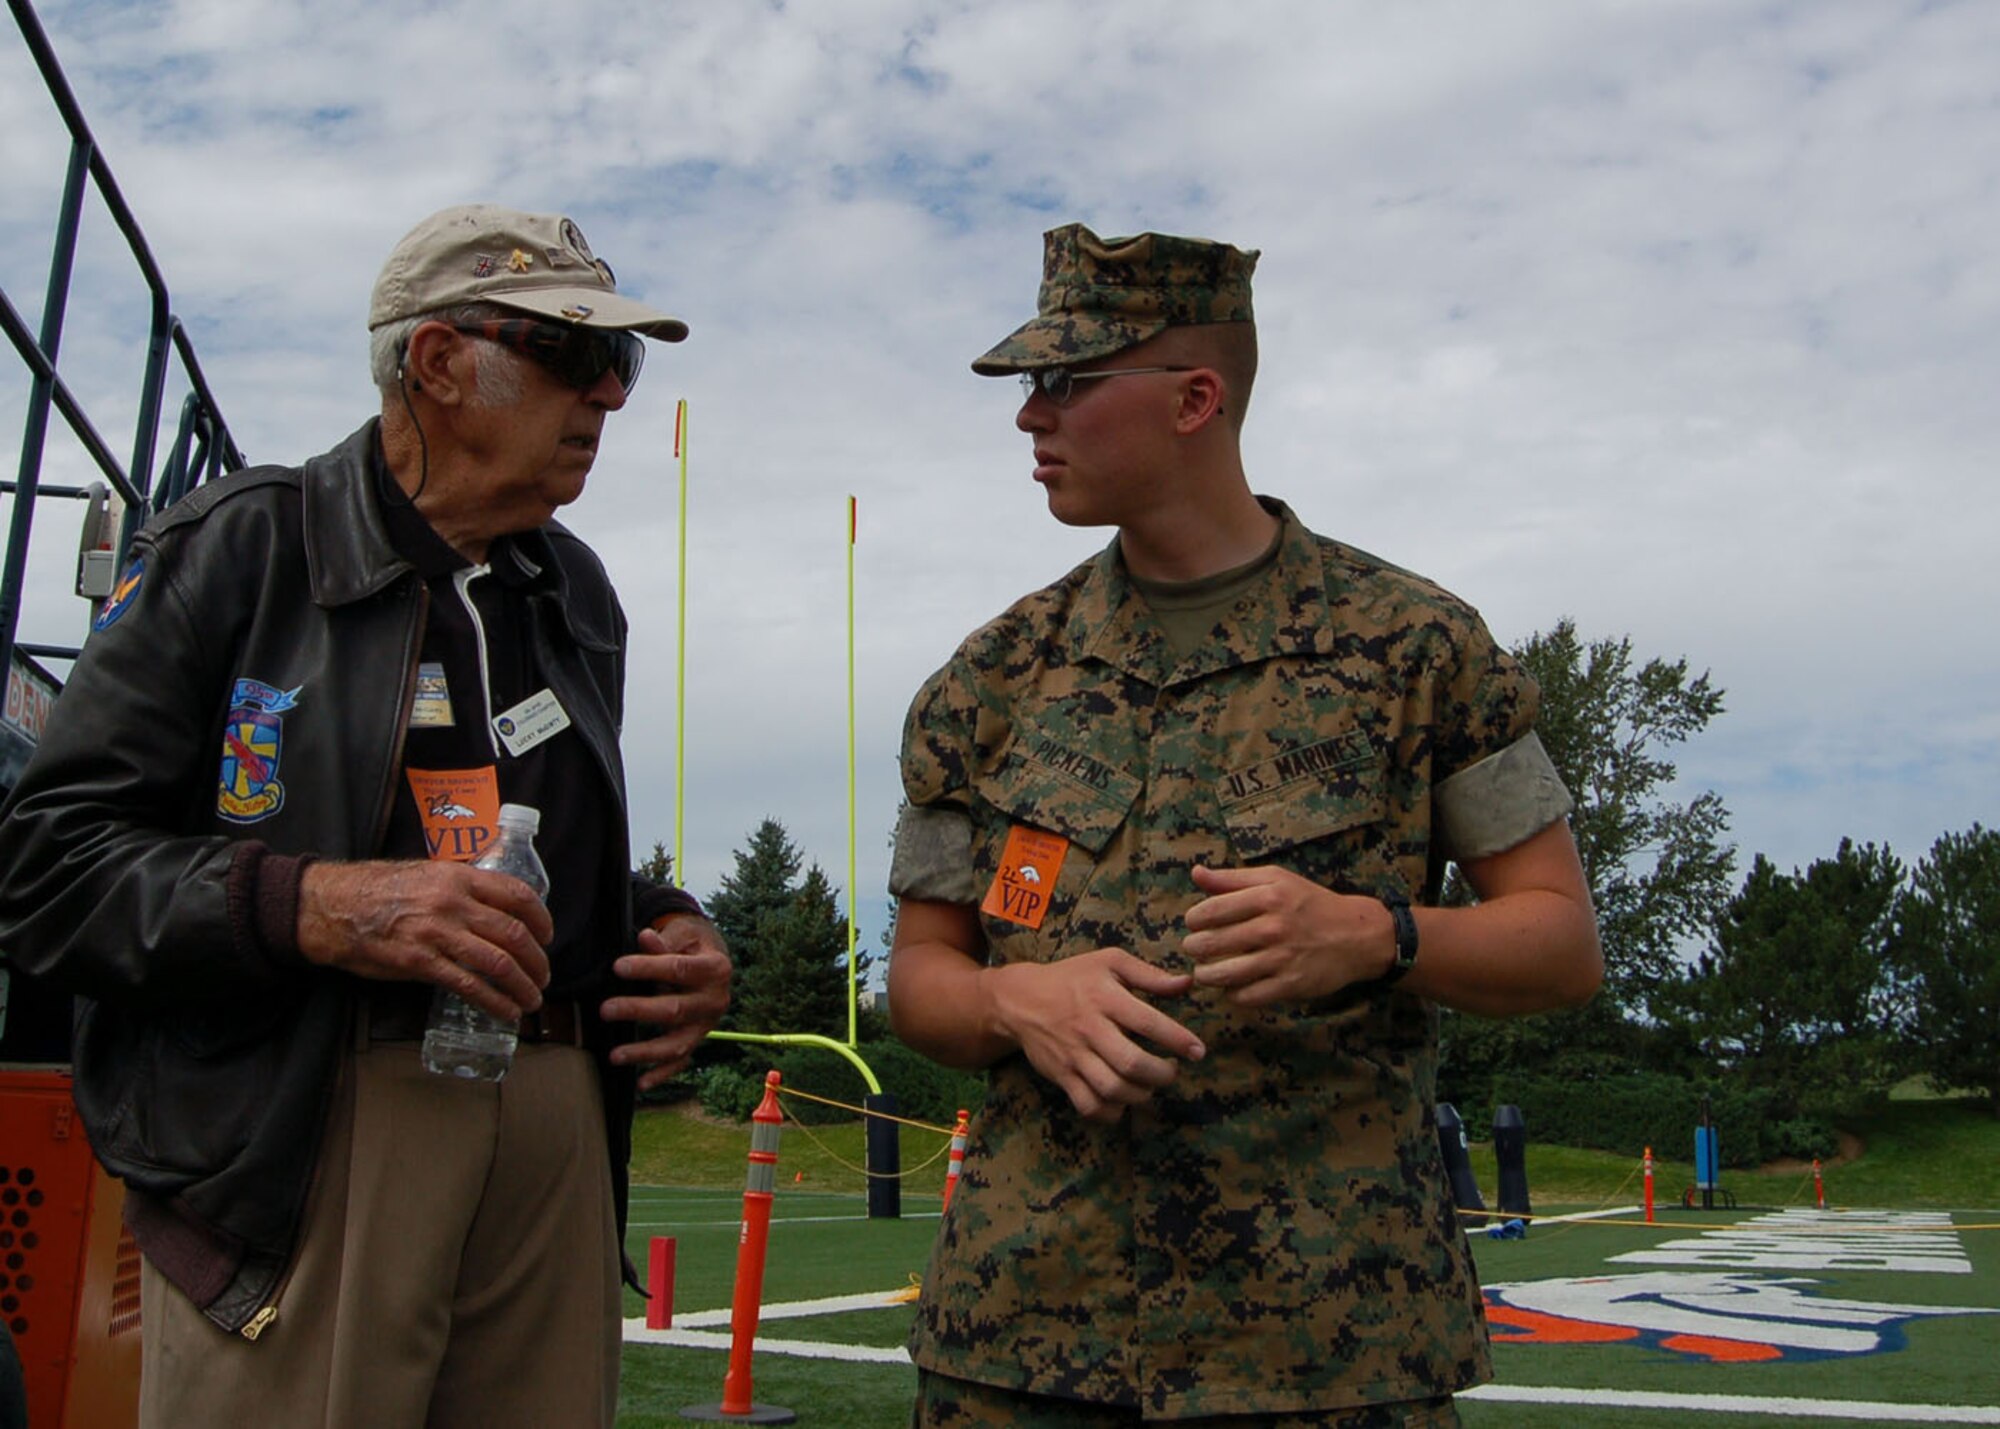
x=1103 y=295
x=534 y=262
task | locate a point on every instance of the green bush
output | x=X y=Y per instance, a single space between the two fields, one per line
x=923 y=1090
x=1804 y=1139
x=728 y=1093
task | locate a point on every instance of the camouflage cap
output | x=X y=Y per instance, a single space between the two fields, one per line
x=1103 y=295
x=535 y=262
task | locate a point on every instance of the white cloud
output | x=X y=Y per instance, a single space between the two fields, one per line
x=1675 y=317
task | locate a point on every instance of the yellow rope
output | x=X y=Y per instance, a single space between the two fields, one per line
x=785 y=1091
x=836 y=1157
x=1617 y=1193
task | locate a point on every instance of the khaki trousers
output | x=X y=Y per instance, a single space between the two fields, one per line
x=459 y=1267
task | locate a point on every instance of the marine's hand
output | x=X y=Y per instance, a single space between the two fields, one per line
x=684 y=958
x=1268 y=935
x=476 y=932
x=1079 y=1022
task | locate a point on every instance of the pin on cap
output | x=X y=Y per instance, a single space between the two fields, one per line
x=532 y=262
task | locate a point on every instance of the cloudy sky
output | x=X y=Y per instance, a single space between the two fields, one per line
x=1675 y=317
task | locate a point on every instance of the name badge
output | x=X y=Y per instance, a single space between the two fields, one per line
x=537 y=718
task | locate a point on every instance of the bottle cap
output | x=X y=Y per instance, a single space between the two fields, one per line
x=520 y=816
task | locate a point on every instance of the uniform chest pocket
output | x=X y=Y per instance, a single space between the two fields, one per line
x=1302 y=795
x=1041 y=838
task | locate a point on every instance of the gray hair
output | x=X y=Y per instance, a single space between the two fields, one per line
x=497 y=383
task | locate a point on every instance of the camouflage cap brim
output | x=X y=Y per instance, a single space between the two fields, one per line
x=1061 y=339
x=1100 y=296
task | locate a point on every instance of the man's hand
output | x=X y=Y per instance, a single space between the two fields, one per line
x=1079 y=1022
x=1268 y=935
x=684 y=957
x=478 y=933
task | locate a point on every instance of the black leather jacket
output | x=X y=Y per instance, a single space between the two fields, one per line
x=206 y=1055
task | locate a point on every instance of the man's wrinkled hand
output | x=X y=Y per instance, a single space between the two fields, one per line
x=684 y=958
x=477 y=933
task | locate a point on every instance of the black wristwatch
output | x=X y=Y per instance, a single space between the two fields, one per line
x=1406 y=938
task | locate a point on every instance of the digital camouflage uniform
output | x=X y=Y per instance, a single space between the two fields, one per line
x=1272 y=1231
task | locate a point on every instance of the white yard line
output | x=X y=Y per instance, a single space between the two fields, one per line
x=1601 y=1213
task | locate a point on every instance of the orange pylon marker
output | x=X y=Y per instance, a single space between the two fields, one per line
x=1649 y=1185
x=1819 y=1186
x=956 y=1164
x=759 y=1184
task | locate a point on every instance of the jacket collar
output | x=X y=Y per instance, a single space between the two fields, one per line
x=349 y=553
x=1288 y=614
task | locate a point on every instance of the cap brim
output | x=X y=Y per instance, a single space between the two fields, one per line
x=1059 y=340
x=593 y=307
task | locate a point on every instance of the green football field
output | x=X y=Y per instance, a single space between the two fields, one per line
x=1745 y=1317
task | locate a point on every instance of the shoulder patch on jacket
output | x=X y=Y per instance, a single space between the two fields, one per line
x=122 y=595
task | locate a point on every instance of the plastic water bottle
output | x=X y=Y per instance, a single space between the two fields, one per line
x=461 y=1040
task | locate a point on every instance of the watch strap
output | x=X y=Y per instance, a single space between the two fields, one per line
x=1406 y=938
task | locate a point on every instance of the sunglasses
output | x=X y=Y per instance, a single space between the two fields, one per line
x=575 y=356
x=1058 y=384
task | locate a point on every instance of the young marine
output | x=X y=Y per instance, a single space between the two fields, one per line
x=1176 y=832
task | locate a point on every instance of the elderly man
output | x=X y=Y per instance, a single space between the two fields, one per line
x=246 y=844
x=1176 y=831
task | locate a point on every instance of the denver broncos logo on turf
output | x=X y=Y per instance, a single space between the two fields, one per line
x=1728 y=1318
x=252 y=742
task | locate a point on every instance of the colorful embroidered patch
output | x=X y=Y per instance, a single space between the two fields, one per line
x=460 y=809
x=252 y=743
x=122 y=595
x=1029 y=867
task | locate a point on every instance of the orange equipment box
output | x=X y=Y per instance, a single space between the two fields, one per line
x=69 y=1272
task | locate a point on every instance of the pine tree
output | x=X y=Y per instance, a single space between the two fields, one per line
x=788 y=937
x=1948 y=957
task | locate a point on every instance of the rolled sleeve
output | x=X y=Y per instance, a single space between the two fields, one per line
x=1501 y=801
x=933 y=858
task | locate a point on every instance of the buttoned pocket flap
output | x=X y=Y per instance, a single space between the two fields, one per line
x=1302 y=794
x=1046 y=787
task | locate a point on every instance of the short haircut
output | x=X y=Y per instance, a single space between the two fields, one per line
x=388 y=344
x=1229 y=348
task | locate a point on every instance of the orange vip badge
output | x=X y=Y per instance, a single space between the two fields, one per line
x=460 y=809
x=1029 y=866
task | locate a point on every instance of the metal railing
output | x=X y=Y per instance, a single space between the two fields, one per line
x=202 y=446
